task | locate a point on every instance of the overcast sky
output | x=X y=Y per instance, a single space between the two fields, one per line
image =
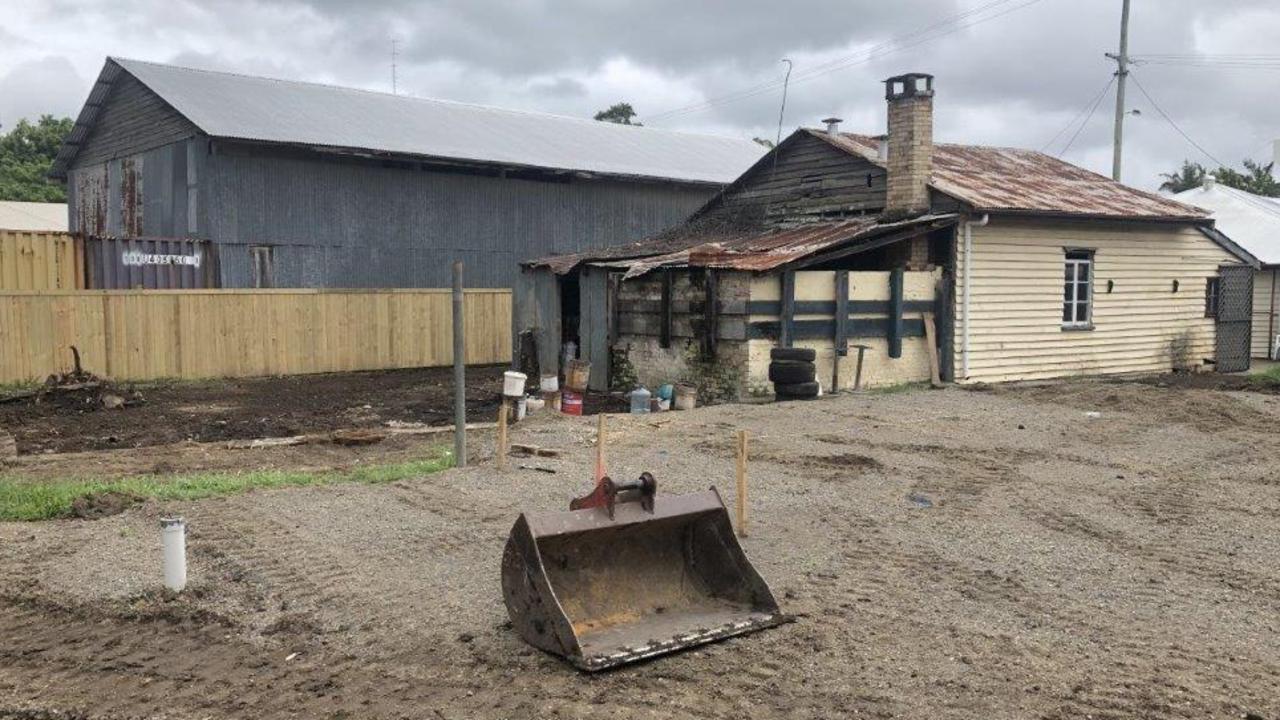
x=1009 y=72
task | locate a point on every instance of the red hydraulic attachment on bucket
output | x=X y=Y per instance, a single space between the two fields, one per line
x=628 y=574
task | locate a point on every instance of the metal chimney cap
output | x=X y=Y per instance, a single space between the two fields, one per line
x=833 y=124
x=1209 y=182
x=908 y=85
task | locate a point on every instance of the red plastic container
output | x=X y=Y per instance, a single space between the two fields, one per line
x=570 y=402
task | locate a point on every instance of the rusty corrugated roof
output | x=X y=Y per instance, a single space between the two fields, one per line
x=999 y=179
x=756 y=250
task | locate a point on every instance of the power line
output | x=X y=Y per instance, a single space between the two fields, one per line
x=1173 y=124
x=898 y=44
x=1089 y=117
x=1089 y=107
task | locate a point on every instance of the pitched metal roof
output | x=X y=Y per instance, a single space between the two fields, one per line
x=33 y=216
x=741 y=249
x=997 y=179
x=1251 y=220
x=244 y=107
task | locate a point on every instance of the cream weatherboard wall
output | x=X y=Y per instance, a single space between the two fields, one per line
x=1140 y=325
x=1266 y=307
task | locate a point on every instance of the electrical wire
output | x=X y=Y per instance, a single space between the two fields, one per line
x=928 y=33
x=1204 y=60
x=1173 y=124
x=1096 y=102
x=1092 y=103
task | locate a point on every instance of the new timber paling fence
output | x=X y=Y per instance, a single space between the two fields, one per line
x=38 y=260
x=152 y=334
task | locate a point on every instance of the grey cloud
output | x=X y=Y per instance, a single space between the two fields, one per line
x=1015 y=80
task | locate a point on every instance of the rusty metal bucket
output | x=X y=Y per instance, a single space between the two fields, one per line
x=630 y=575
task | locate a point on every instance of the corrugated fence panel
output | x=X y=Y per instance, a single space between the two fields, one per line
x=150 y=334
x=41 y=261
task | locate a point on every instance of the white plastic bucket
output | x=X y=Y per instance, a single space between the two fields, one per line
x=513 y=383
x=550 y=383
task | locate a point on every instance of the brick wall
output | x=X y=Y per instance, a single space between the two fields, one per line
x=910 y=154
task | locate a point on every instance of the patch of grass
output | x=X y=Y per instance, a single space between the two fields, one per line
x=1269 y=376
x=13 y=388
x=898 y=388
x=22 y=499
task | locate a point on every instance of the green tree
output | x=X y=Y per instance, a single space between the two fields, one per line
x=620 y=113
x=26 y=154
x=1190 y=175
x=1256 y=178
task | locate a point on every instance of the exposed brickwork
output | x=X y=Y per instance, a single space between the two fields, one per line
x=910 y=155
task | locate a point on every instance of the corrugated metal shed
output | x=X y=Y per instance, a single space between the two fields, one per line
x=996 y=179
x=242 y=107
x=33 y=216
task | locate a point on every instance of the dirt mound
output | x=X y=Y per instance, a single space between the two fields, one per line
x=103 y=504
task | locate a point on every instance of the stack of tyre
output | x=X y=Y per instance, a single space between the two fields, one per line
x=793 y=374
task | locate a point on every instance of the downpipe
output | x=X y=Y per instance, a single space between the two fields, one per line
x=968 y=281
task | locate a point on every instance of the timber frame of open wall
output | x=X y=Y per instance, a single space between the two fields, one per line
x=662 y=321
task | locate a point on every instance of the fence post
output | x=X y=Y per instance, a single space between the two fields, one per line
x=459 y=373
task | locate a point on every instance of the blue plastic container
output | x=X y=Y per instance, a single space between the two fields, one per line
x=640 y=400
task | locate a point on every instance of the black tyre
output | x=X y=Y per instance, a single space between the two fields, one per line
x=796 y=391
x=790 y=372
x=801 y=354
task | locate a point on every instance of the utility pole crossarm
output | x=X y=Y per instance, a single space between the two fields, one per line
x=1122 y=73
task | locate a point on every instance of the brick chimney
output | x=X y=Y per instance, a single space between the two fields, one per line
x=910 y=160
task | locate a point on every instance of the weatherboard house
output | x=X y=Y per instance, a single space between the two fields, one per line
x=1253 y=221
x=894 y=257
x=292 y=184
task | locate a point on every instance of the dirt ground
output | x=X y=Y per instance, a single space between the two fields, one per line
x=182 y=427
x=947 y=554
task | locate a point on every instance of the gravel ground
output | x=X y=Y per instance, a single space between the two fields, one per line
x=949 y=554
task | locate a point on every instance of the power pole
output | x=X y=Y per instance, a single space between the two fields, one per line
x=1122 y=73
x=393 y=65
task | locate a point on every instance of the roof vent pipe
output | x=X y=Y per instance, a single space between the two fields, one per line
x=1209 y=182
x=833 y=125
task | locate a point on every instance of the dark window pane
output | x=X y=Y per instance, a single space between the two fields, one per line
x=1066 y=312
x=1082 y=291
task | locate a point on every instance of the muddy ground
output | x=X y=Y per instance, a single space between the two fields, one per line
x=948 y=554
x=183 y=427
x=215 y=410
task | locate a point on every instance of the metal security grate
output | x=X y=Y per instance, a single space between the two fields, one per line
x=1235 y=313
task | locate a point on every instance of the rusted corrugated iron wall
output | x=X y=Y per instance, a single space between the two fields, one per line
x=151 y=264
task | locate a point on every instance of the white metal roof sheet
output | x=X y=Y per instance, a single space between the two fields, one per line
x=33 y=216
x=1252 y=221
x=264 y=109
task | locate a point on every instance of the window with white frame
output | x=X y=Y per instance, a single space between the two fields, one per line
x=1077 y=290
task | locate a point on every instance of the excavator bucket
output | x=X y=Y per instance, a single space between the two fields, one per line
x=621 y=579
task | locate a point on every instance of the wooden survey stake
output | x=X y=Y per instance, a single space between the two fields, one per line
x=502 y=433
x=741 y=500
x=930 y=339
x=599 y=471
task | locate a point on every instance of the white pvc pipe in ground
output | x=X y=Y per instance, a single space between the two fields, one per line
x=173 y=535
